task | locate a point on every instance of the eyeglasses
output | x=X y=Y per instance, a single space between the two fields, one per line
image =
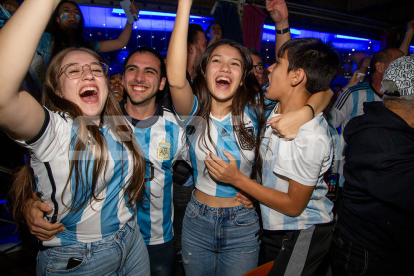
x=75 y=70
x=259 y=68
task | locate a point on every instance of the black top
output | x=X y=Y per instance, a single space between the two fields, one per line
x=377 y=210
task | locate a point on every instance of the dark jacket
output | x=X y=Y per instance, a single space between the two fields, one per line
x=378 y=195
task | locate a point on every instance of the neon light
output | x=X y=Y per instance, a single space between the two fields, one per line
x=292 y=31
x=121 y=11
x=351 y=37
x=3 y=201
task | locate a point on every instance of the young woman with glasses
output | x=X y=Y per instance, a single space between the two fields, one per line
x=83 y=154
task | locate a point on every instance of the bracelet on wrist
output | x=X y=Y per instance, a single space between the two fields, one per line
x=313 y=110
x=283 y=31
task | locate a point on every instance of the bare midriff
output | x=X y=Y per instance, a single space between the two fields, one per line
x=214 y=201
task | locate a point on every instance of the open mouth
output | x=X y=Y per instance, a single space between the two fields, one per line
x=89 y=94
x=223 y=82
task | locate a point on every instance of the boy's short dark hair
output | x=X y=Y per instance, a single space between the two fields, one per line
x=145 y=49
x=319 y=61
x=193 y=30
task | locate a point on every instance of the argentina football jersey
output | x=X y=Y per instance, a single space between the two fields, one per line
x=50 y=153
x=223 y=137
x=162 y=142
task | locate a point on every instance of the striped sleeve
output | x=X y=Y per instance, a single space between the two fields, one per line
x=342 y=108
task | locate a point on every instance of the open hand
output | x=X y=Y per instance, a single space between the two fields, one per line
x=220 y=170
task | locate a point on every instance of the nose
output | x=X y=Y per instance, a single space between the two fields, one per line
x=140 y=76
x=225 y=67
x=87 y=73
x=271 y=67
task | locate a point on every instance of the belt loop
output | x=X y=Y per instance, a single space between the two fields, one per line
x=89 y=250
x=203 y=209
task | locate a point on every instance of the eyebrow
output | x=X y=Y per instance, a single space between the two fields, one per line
x=146 y=68
x=231 y=58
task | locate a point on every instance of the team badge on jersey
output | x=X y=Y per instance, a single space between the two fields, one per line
x=164 y=150
x=244 y=144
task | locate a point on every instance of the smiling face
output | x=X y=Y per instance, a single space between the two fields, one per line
x=215 y=30
x=142 y=78
x=88 y=92
x=224 y=73
x=69 y=17
x=115 y=84
x=279 y=79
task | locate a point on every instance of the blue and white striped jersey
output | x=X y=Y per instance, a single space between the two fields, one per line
x=305 y=160
x=221 y=132
x=162 y=140
x=349 y=105
x=50 y=153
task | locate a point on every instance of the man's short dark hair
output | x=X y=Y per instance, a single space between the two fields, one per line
x=193 y=30
x=319 y=61
x=253 y=52
x=383 y=56
x=145 y=49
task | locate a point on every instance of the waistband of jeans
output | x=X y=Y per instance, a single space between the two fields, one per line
x=118 y=235
x=218 y=211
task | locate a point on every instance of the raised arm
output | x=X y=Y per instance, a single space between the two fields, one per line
x=181 y=92
x=21 y=116
x=279 y=13
x=123 y=38
x=405 y=45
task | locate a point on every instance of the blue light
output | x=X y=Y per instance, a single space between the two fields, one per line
x=3 y=201
x=351 y=37
x=121 y=11
x=292 y=31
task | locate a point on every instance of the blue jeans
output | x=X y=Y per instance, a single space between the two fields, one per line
x=219 y=241
x=162 y=258
x=123 y=253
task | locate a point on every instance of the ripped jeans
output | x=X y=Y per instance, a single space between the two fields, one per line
x=219 y=241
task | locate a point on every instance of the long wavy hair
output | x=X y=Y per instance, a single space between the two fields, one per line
x=248 y=94
x=81 y=152
x=62 y=39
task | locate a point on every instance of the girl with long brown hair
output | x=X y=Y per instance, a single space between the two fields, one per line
x=84 y=155
x=219 y=233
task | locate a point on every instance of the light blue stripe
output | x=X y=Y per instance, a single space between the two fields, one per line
x=109 y=215
x=229 y=144
x=172 y=132
x=143 y=137
x=355 y=100
x=71 y=219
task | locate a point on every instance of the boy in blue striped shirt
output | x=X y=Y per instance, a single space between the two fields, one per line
x=297 y=216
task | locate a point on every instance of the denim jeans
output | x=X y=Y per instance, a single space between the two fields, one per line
x=162 y=258
x=219 y=241
x=123 y=253
x=351 y=259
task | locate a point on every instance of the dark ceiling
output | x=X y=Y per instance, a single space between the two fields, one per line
x=367 y=18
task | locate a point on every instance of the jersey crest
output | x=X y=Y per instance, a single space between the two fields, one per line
x=164 y=150
x=244 y=144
